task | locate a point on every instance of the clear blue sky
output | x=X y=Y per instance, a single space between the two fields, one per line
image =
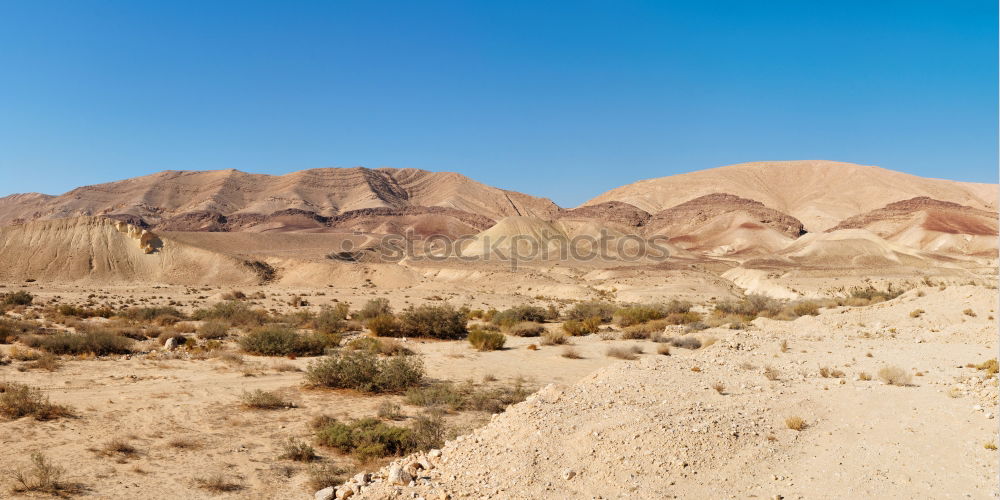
x=558 y=99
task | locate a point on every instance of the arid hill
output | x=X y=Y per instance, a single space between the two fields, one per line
x=930 y=224
x=819 y=193
x=192 y=199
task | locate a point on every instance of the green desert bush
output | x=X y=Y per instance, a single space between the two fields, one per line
x=433 y=321
x=365 y=372
x=468 y=396
x=387 y=347
x=366 y=438
x=750 y=306
x=234 y=312
x=374 y=308
x=642 y=313
x=332 y=319
x=263 y=400
x=281 y=340
x=510 y=317
x=161 y=314
x=96 y=342
x=486 y=341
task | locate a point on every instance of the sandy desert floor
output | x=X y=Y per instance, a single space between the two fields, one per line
x=600 y=427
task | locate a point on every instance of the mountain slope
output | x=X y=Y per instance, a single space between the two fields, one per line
x=819 y=193
x=325 y=191
x=929 y=224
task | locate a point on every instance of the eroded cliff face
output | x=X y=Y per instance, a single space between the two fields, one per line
x=148 y=242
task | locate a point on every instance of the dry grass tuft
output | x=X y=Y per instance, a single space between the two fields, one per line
x=894 y=375
x=663 y=350
x=771 y=373
x=554 y=338
x=19 y=400
x=218 y=483
x=719 y=387
x=571 y=353
x=296 y=450
x=263 y=400
x=864 y=376
x=627 y=353
x=795 y=423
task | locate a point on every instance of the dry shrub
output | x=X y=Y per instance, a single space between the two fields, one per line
x=685 y=342
x=663 y=350
x=486 y=341
x=19 y=400
x=213 y=330
x=991 y=445
x=637 y=314
x=604 y=311
x=649 y=328
x=682 y=318
x=373 y=345
x=389 y=411
x=384 y=325
x=570 y=352
x=526 y=329
x=795 y=423
x=263 y=400
x=42 y=476
x=626 y=353
x=374 y=308
x=218 y=483
x=864 y=376
x=325 y=475
x=365 y=372
x=118 y=447
x=916 y=313
x=285 y=367
x=515 y=315
x=296 y=450
x=46 y=362
x=805 y=308
x=969 y=312
x=989 y=366
x=719 y=387
x=771 y=373
x=96 y=342
x=366 y=438
x=233 y=312
x=439 y=322
x=634 y=334
x=576 y=328
x=184 y=443
x=468 y=396
x=894 y=375
x=554 y=338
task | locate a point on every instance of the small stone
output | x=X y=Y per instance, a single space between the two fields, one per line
x=568 y=474
x=434 y=453
x=325 y=493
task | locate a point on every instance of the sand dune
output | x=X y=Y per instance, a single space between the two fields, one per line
x=819 y=193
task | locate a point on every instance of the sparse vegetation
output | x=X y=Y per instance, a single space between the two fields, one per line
x=263 y=400
x=384 y=325
x=433 y=321
x=603 y=311
x=864 y=376
x=389 y=411
x=281 y=340
x=42 y=476
x=894 y=375
x=989 y=366
x=719 y=387
x=554 y=338
x=468 y=396
x=483 y=340
x=296 y=450
x=577 y=328
x=626 y=353
x=916 y=313
x=213 y=330
x=19 y=400
x=332 y=319
x=663 y=350
x=366 y=438
x=19 y=298
x=510 y=317
x=218 y=483
x=526 y=329
x=365 y=372
x=969 y=312
x=795 y=423
x=771 y=373
x=570 y=352
x=233 y=312
x=96 y=342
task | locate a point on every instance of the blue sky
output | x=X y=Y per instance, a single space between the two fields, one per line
x=557 y=99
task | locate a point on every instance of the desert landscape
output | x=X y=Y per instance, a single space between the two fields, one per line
x=799 y=329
